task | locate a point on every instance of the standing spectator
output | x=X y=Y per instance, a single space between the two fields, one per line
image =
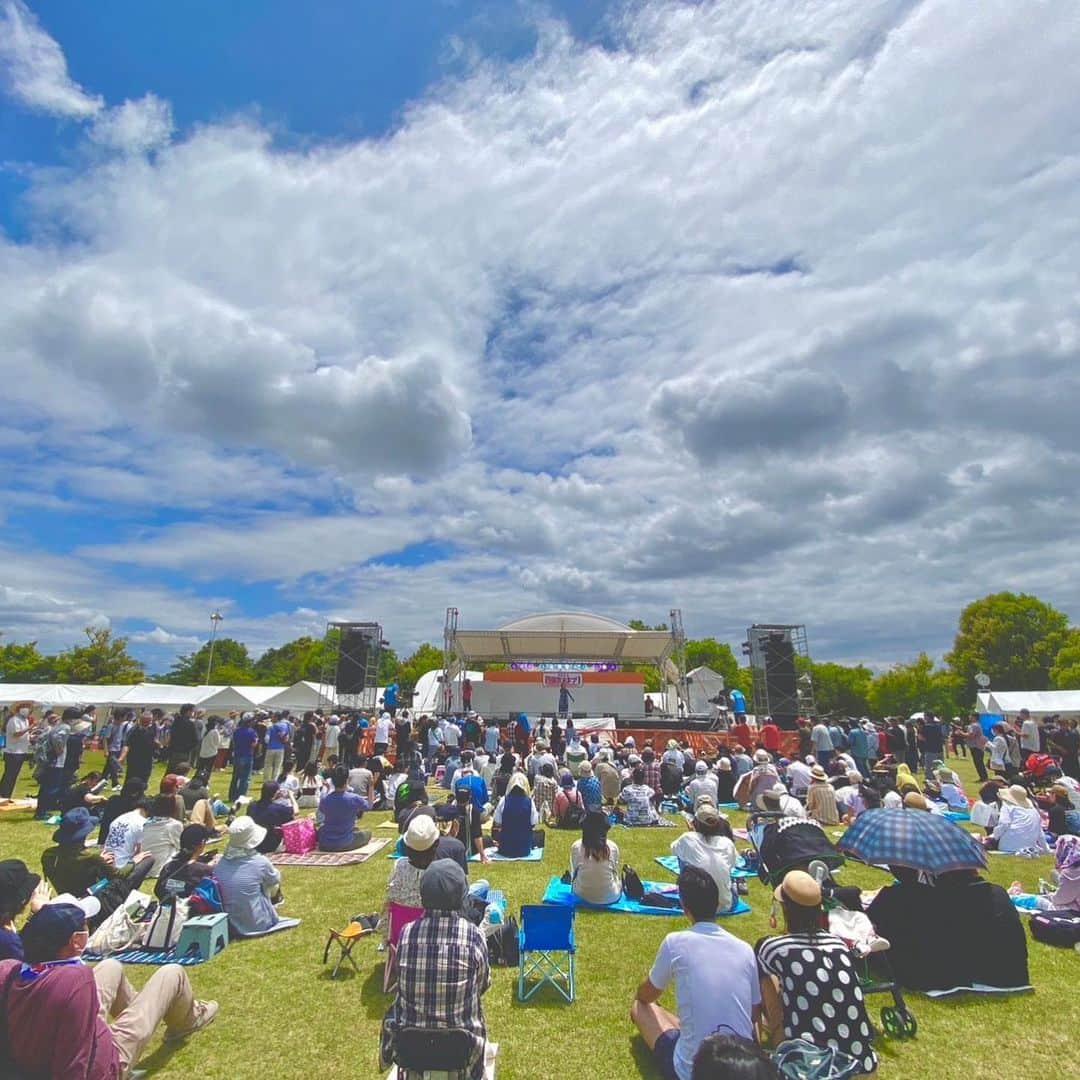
x=332 y=737
x=50 y=750
x=277 y=741
x=113 y=737
x=976 y=741
x=822 y=742
x=466 y=694
x=859 y=748
x=209 y=746
x=933 y=743
x=183 y=738
x=304 y=743
x=1029 y=734
x=716 y=983
x=770 y=736
x=16 y=745
x=491 y=736
x=243 y=755
x=442 y=963
x=1066 y=742
x=81 y=728
x=383 y=726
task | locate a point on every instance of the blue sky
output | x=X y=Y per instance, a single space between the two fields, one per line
x=367 y=310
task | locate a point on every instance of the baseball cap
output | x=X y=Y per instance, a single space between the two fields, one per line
x=47 y=931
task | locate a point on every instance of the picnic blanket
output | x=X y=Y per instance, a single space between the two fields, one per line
x=561 y=896
x=663 y=823
x=331 y=858
x=535 y=855
x=148 y=956
x=671 y=862
x=281 y=924
x=978 y=988
x=18 y=804
x=957 y=815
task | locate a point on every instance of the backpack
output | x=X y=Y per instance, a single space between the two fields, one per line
x=503 y=944
x=163 y=932
x=1056 y=928
x=574 y=815
x=205 y=898
x=47 y=748
x=631 y=884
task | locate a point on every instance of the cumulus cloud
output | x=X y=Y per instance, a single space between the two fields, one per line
x=34 y=68
x=768 y=313
x=160 y=636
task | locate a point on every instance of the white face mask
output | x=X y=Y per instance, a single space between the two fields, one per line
x=24 y=713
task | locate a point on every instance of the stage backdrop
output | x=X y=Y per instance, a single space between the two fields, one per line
x=595 y=693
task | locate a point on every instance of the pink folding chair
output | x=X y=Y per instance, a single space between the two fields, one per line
x=398 y=917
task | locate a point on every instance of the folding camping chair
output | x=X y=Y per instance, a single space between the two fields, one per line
x=345 y=939
x=429 y=1052
x=399 y=916
x=546 y=930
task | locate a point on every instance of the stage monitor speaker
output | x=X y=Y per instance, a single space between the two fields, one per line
x=352 y=662
x=781 y=680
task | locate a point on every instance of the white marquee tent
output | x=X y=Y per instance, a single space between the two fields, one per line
x=1037 y=702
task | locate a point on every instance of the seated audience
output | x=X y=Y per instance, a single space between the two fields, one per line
x=906 y=780
x=569 y=806
x=760 y=778
x=312 y=787
x=465 y=819
x=608 y=775
x=709 y=846
x=821 y=799
x=777 y=801
x=727 y=1057
x=170 y=786
x=702 y=785
x=19 y=889
x=799 y=777
x=339 y=811
x=180 y=875
x=594 y=863
x=1066 y=897
x=544 y=791
x=57 y=1008
x=809 y=986
x=130 y=794
x=589 y=788
x=124 y=841
x=638 y=799
x=1063 y=819
x=715 y=977
x=161 y=833
x=270 y=813
x=420 y=842
x=453 y=999
x=87 y=792
x=725 y=781
x=1019 y=825
x=248 y=881
x=515 y=817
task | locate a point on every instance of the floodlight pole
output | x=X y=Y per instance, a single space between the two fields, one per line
x=215 y=618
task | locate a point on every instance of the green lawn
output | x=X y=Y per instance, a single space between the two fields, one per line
x=281 y=1014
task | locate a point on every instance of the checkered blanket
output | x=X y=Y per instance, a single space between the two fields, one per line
x=331 y=858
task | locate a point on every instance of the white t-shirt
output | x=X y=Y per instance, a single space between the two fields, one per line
x=716 y=986
x=331 y=737
x=1029 y=735
x=799 y=775
x=452 y=735
x=715 y=855
x=1019 y=828
x=382 y=729
x=820 y=737
x=18 y=735
x=211 y=743
x=124 y=837
x=161 y=837
x=594 y=880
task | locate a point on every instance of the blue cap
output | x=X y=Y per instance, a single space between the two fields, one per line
x=49 y=930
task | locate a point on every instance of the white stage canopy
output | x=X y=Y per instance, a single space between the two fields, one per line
x=564 y=635
x=426 y=692
x=1037 y=702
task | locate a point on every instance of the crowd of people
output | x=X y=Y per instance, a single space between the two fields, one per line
x=461 y=787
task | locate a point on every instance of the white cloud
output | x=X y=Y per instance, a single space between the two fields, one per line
x=160 y=636
x=135 y=126
x=770 y=313
x=34 y=68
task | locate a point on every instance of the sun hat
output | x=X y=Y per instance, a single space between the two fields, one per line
x=775 y=793
x=701 y=768
x=245 y=834
x=520 y=782
x=914 y=801
x=818 y=773
x=763 y=757
x=810 y=759
x=422 y=833
x=799 y=888
x=724 y=764
x=89 y=905
x=854 y=776
x=17 y=884
x=585 y=769
x=672 y=744
x=443 y=886
x=1017 y=795
x=706 y=814
x=75 y=826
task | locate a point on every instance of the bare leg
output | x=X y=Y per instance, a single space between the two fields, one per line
x=652 y=1021
x=772 y=1009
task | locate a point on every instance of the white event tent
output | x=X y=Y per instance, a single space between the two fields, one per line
x=1037 y=702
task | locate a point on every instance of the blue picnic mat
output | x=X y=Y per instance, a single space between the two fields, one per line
x=149 y=956
x=957 y=815
x=671 y=862
x=560 y=895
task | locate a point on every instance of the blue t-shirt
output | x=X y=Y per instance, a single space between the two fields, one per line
x=339 y=811
x=277 y=735
x=738 y=702
x=390 y=696
x=243 y=742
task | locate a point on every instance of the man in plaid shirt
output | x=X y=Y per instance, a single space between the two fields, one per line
x=651 y=768
x=443 y=963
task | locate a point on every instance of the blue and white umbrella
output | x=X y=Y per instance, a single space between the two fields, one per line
x=913 y=838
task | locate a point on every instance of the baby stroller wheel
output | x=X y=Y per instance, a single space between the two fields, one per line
x=911 y=1028
x=892 y=1023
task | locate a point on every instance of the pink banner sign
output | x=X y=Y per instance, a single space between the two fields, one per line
x=563 y=678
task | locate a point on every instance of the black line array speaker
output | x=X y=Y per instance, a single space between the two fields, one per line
x=781 y=680
x=353 y=661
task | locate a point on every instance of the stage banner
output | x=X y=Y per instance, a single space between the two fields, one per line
x=563 y=678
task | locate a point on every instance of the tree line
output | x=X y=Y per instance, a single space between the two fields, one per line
x=1018 y=640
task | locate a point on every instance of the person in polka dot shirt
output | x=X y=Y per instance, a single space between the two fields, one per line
x=809 y=987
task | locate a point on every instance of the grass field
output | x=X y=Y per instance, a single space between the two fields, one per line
x=282 y=1016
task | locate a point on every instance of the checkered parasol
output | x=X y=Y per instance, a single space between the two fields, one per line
x=913 y=838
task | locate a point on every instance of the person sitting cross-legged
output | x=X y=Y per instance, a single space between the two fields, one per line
x=58 y=1007
x=515 y=818
x=716 y=983
x=339 y=811
x=442 y=964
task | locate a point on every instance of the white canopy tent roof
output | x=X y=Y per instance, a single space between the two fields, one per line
x=426 y=692
x=303 y=695
x=1037 y=702
x=703 y=684
x=564 y=635
x=240 y=697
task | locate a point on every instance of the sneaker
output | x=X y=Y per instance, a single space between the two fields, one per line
x=205 y=1011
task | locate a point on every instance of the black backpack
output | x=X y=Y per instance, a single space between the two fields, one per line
x=1056 y=928
x=574 y=815
x=503 y=944
x=631 y=884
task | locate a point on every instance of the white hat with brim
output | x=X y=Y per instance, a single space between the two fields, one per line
x=776 y=792
x=1017 y=795
x=245 y=833
x=422 y=833
x=90 y=905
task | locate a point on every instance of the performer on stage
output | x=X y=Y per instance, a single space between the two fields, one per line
x=565 y=697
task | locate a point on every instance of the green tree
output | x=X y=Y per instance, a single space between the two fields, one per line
x=1012 y=637
x=104 y=659
x=913 y=687
x=426 y=658
x=231 y=665
x=388 y=666
x=293 y=662
x=23 y=663
x=840 y=690
x=714 y=654
x=1065 y=671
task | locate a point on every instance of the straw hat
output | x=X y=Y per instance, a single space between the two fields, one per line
x=818 y=773
x=775 y=793
x=1017 y=795
x=914 y=801
x=798 y=887
x=585 y=769
x=707 y=814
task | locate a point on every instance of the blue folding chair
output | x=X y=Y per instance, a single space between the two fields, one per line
x=545 y=930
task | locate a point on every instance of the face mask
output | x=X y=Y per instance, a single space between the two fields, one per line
x=24 y=713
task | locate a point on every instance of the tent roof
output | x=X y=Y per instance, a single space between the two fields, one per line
x=564 y=635
x=1037 y=702
x=302 y=695
x=240 y=697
